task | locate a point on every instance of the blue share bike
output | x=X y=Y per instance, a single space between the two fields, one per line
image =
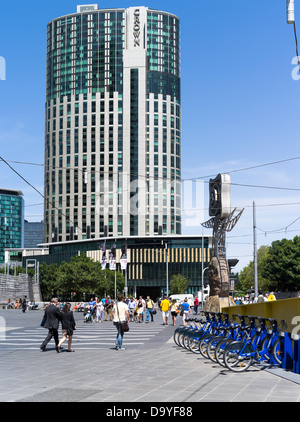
x=265 y=345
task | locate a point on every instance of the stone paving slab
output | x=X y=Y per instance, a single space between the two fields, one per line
x=157 y=371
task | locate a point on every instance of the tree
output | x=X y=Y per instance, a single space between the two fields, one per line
x=80 y=276
x=179 y=284
x=282 y=267
x=246 y=276
x=48 y=279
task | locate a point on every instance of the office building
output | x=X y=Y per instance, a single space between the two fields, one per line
x=33 y=234
x=113 y=124
x=151 y=260
x=11 y=220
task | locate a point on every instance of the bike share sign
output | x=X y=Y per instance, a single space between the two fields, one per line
x=2 y=69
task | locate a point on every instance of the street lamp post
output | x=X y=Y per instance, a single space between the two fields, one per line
x=202 y=299
x=167 y=269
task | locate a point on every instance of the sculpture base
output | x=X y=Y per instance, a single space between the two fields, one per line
x=216 y=303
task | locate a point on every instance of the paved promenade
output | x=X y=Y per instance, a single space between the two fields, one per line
x=152 y=369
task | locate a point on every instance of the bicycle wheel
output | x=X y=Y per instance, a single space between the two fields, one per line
x=203 y=344
x=237 y=357
x=278 y=350
x=186 y=341
x=180 y=339
x=211 y=347
x=194 y=345
x=175 y=337
x=264 y=345
x=219 y=351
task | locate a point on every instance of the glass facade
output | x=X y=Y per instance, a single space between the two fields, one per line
x=113 y=117
x=147 y=258
x=12 y=221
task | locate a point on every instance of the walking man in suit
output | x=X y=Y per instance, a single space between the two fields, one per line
x=52 y=317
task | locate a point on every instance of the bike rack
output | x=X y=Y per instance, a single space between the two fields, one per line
x=287 y=361
x=296 y=354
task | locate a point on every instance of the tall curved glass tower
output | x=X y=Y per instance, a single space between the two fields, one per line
x=113 y=124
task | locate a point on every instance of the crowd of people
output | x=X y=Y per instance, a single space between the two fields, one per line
x=139 y=310
x=21 y=304
x=251 y=298
x=119 y=311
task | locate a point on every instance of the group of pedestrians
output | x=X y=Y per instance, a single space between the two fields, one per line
x=175 y=308
x=120 y=311
x=51 y=319
x=138 y=308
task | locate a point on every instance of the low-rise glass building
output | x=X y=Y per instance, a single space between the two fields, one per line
x=151 y=260
x=11 y=220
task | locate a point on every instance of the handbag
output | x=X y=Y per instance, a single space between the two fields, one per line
x=43 y=322
x=124 y=325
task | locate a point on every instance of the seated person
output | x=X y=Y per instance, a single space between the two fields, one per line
x=10 y=305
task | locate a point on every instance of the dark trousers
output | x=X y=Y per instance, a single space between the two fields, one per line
x=51 y=333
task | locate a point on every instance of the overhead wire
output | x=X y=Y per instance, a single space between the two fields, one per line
x=33 y=187
x=186 y=179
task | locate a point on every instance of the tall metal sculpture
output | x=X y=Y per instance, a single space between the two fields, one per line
x=223 y=220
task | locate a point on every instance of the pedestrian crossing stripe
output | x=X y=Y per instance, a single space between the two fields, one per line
x=85 y=338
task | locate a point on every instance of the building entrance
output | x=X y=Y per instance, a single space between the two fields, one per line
x=153 y=292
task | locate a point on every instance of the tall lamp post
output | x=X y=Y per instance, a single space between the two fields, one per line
x=167 y=268
x=202 y=301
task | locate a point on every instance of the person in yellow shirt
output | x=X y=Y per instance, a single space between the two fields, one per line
x=164 y=306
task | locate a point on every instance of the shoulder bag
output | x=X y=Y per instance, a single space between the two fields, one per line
x=124 y=325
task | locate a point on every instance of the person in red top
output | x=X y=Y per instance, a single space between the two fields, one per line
x=196 y=304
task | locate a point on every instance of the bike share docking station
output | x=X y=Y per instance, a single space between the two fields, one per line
x=291 y=356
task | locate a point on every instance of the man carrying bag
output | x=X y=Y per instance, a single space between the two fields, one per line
x=120 y=318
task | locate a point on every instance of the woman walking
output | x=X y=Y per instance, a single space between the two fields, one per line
x=68 y=325
x=120 y=314
x=140 y=307
x=186 y=310
x=174 y=310
x=100 y=310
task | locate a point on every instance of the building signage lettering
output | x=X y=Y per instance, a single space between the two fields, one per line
x=136 y=28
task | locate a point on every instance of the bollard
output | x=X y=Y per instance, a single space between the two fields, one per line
x=296 y=355
x=287 y=361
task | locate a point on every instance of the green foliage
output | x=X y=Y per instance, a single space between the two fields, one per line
x=278 y=267
x=282 y=268
x=179 y=284
x=246 y=276
x=81 y=276
x=48 y=279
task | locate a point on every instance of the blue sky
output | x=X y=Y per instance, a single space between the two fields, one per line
x=240 y=106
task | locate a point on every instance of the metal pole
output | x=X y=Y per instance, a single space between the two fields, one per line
x=202 y=272
x=255 y=251
x=167 y=269
x=116 y=281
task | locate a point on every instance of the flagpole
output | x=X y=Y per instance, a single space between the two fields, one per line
x=115 y=272
x=116 y=281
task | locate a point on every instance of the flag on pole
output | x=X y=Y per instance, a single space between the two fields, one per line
x=104 y=258
x=123 y=260
x=112 y=258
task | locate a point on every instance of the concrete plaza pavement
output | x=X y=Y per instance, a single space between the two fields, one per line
x=152 y=369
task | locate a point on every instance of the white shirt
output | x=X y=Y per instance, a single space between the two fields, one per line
x=122 y=308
